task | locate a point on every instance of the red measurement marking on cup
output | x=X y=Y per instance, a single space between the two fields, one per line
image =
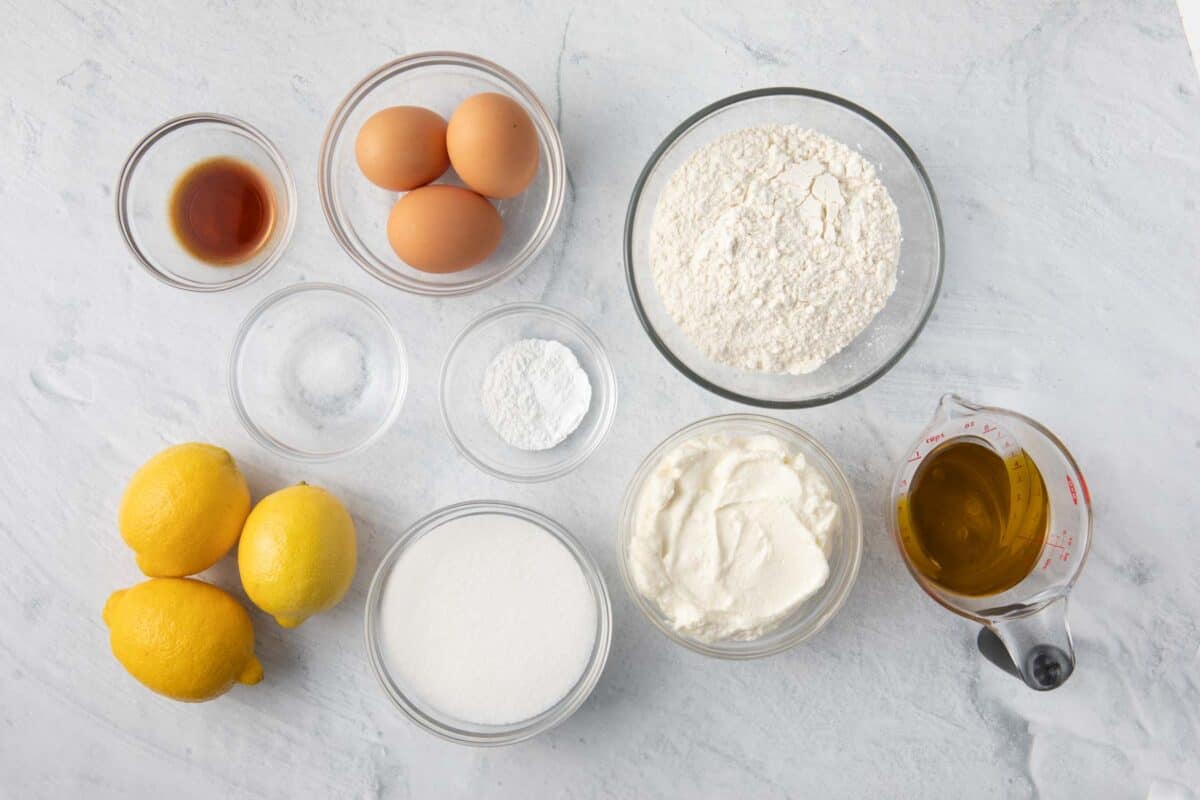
x=916 y=456
x=988 y=429
x=1065 y=555
x=968 y=425
x=1060 y=541
x=935 y=438
x=1071 y=488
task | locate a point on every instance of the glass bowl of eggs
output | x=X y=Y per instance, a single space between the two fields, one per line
x=441 y=173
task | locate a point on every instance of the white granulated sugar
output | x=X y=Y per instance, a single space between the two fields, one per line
x=535 y=394
x=773 y=247
x=487 y=618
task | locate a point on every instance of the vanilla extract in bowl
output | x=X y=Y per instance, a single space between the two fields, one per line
x=223 y=211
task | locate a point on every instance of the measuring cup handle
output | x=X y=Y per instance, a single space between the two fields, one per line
x=1038 y=646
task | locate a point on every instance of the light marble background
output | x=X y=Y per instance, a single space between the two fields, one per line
x=1062 y=141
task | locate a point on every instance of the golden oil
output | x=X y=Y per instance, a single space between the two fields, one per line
x=974 y=522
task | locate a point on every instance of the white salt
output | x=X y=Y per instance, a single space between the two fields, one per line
x=331 y=371
x=488 y=619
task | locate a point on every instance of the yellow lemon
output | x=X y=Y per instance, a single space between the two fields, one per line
x=183 y=510
x=182 y=638
x=297 y=554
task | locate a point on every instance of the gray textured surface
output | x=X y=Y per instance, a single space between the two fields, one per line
x=1062 y=139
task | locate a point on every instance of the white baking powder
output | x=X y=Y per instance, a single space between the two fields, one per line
x=488 y=618
x=535 y=394
x=773 y=247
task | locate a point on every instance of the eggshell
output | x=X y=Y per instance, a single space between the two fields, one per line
x=493 y=145
x=402 y=147
x=444 y=228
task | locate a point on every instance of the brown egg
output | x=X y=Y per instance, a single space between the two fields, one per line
x=402 y=147
x=444 y=228
x=493 y=145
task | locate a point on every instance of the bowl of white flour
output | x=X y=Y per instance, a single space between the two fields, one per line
x=783 y=248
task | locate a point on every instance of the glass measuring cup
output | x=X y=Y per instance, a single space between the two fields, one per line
x=1029 y=620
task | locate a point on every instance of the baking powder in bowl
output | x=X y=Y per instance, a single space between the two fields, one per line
x=487 y=618
x=535 y=394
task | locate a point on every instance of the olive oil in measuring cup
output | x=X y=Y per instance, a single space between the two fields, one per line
x=994 y=520
x=976 y=521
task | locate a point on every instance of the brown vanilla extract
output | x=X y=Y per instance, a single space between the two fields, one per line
x=223 y=211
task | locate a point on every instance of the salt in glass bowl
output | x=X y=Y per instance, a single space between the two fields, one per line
x=877 y=348
x=357 y=210
x=317 y=372
x=462 y=382
x=845 y=541
x=462 y=731
x=148 y=180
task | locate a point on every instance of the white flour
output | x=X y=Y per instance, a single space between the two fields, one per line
x=774 y=247
x=535 y=394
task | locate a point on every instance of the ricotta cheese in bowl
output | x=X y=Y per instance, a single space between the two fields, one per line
x=731 y=533
x=739 y=536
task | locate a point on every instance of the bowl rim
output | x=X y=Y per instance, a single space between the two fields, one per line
x=547 y=131
x=832 y=471
x=635 y=203
x=525 y=729
x=599 y=354
x=144 y=146
x=275 y=445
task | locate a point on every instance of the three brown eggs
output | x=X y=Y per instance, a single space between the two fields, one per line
x=492 y=145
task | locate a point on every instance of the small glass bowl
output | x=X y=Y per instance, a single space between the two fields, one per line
x=874 y=351
x=149 y=176
x=317 y=372
x=461 y=731
x=462 y=380
x=845 y=549
x=357 y=210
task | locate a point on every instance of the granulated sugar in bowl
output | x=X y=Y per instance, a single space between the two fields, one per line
x=487 y=623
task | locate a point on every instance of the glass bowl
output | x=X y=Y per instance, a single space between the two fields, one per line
x=890 y=334
x=461 y=731
x=149 y=177
x=845 y=550
x=317 y=372
x=462 y=380
x=357 y=210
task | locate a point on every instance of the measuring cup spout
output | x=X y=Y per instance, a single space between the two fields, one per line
x=1038 y=644
x=951 y=406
